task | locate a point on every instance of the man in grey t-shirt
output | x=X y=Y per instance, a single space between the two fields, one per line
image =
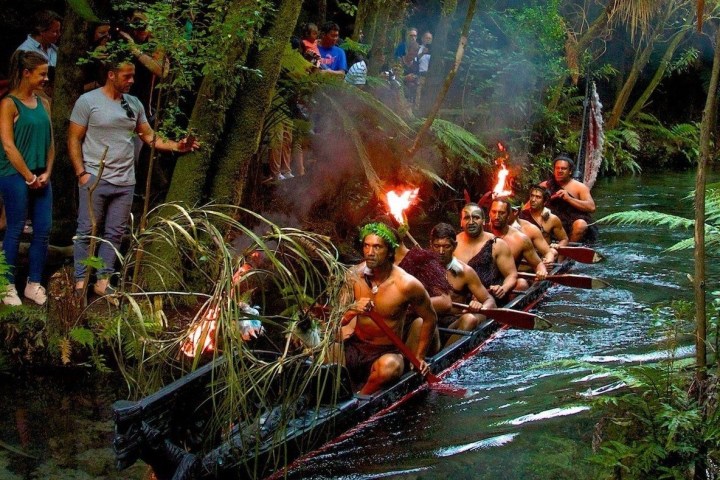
x=103 y=124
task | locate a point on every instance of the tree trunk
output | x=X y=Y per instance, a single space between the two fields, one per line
x=68 y=87
x=448 y=80
x=574 y=49
x=707 y=127
x=250 y=107
x=438 y=68
x=659 y=74
x=641 y=59
x=207 y=120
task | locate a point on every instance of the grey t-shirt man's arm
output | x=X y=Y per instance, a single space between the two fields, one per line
x=109 y=125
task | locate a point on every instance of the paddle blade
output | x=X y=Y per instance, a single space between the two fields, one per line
x=449 y=390
x=579 y=281
x=542 y=324
x=517 y=318
x=570 y=280
x=581 y=254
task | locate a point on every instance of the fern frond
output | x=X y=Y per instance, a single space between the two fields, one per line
x=435 y=178
x=459 y=142
x=65 y=350
x=83 y=336
x=647 y=217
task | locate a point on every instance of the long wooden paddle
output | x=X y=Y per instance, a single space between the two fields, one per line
x=431 y=378
x=581 y=254
x=570 y=280
x=512 y=318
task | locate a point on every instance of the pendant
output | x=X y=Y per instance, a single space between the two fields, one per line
x=374 y=289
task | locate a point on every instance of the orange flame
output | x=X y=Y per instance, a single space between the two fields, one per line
x=399 y=202
x=203 y=334
x=502 y=187
x=204 y=331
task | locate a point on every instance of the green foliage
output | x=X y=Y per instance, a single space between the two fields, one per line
x=83 y=336
x=681 y=64
x=458 y=144
x=662 y=146
x=674 y=222
x=511 y=57
x=658 y=429
x=621 y=147
x=350 y=45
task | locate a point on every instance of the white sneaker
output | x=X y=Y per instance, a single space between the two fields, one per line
x=11 y=296
x=281 y=177
x=289 y=175
x=36 y=293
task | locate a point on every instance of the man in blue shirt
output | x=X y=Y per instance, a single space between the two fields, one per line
x=332 y=57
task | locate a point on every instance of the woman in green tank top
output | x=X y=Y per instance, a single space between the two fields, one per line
x=26 y=161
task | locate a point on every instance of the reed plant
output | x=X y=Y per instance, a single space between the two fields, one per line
x=285 y=273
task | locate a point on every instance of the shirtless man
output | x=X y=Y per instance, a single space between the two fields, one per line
x=488 y=255
x=388 y=291
x=466 y=285
x=549 y=224
x=519 y=243
x=547 y=253
x=570 y=200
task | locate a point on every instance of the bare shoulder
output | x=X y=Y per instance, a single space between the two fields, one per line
x=7 y=104
x=45 y=102
x=500 y=247
x=406 y=282
x=578 y=187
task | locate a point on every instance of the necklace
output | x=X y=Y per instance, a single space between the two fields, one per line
x=373 y=287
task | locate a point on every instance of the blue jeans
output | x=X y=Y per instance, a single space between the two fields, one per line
x=111 y=205
x=22 y=202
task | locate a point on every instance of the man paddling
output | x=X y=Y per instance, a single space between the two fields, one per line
x=466 y=285
x=547 y=253
x=536 y=213
x=488 y=255
x=571 y=201
x=520 y=245
x=385 y=290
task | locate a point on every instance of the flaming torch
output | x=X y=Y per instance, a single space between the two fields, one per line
x=398 y=203
x=501 y=187
x=202 y=337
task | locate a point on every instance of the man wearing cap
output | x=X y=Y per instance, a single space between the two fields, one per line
x=571 y=201
x=387 y=291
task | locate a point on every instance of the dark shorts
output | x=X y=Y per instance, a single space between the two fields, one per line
x=446 y=320
x=359 y=357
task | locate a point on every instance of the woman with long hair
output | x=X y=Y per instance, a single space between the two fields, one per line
x=26 y=162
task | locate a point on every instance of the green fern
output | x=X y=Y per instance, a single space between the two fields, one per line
x=83 y=336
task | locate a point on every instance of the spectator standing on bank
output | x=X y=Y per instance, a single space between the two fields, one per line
x=106 y=120
x=44 y=36
x=26 y=162
x=332 y=57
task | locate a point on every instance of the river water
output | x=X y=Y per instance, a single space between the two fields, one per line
x=526 y=418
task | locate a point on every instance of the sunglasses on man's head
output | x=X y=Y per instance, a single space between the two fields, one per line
x=124 y=104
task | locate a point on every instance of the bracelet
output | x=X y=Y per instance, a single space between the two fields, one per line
x=84 y=172
x=34 y=179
